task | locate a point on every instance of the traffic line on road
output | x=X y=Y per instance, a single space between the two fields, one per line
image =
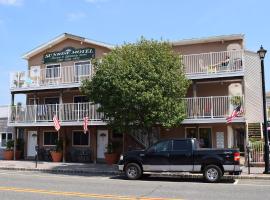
x=79 y=194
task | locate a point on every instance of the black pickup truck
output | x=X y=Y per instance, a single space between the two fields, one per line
x=181 y=155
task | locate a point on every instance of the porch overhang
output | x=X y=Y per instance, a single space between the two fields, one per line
x=212 y=120
x=46 y=124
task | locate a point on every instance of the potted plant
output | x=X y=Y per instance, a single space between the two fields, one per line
x=8 y=153
x=236 y=100
x=57 y=154
x=111 y=156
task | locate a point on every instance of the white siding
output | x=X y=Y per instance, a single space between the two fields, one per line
x=253 y=88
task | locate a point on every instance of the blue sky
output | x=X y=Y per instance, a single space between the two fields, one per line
x=25 y=24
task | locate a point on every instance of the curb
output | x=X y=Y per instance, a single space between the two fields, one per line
x=62 y=171
x=115 y=173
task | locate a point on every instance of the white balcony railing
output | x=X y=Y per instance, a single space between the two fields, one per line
x=57 y=76
x=69 y=112
x=213 y=63
x=212 y=107
x=196 y=108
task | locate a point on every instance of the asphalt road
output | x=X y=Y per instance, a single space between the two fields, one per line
x=38 y=186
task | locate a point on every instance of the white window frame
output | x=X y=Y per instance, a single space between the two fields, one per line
x=74 y=64
x=44 y=137
x=6 y=133
x=80 y=145
x=60 y=71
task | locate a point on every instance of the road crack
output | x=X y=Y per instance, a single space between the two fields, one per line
x=151 y=192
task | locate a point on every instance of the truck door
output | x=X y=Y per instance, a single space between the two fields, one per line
x=156 y=157
x=181 y=158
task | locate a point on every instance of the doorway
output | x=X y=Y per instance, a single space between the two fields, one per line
x=31 y=143
x=102 y=142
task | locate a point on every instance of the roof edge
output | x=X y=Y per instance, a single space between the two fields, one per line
x=209 y=39
x=60 y=38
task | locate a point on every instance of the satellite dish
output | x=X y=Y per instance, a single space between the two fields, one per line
x=35 y=71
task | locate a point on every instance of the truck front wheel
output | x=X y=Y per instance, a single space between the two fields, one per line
x=212 y=173
x=133 y=171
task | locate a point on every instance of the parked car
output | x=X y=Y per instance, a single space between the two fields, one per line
x=181 y=155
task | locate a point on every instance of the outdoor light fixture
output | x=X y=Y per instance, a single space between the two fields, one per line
x=261 y=52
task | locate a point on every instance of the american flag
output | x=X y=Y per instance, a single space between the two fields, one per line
x=235 y=113
x=85 y=124
x=56 y=123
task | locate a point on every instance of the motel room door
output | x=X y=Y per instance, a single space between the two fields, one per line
x=102 y=142
x=31 y=143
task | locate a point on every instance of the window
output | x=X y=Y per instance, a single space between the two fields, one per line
x=80 y=99
x=180 y=145
x=82 y=70
x=161 y=146
x=205 y=138
x=53 y=71
x=51 y=100
x=50 y=138
x=4 y=138
x=80 y=138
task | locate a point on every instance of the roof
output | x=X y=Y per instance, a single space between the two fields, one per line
x=61 y=38
x=209 y=39
x=3 y=111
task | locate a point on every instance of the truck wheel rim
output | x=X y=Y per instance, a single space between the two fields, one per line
x=132 y=172
x=212 y=174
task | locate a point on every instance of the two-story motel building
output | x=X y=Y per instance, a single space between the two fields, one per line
x=223 y=73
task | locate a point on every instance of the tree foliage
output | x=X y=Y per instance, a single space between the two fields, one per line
x=139 y=85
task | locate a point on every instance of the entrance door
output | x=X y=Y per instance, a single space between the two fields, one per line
x=31 y=143
x=102 y=142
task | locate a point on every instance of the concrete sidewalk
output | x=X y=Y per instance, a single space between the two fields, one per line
x=104 y=169
x=53 y=167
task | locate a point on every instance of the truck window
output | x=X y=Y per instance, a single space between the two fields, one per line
x=161 y=146
x=180 y=145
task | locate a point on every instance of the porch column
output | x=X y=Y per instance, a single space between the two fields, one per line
x=230 y=136
x=64 y=145
x=15 y=133
x=12 y=99
x=194 y=88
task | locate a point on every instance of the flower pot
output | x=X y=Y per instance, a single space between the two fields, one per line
x=111 y=158
x=8 y=155
x=56 y=156
x=18 y=154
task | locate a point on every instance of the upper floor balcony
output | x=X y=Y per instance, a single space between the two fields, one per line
x=198 y=110
x=52 y=77
x=197 y=66
x=214 y=64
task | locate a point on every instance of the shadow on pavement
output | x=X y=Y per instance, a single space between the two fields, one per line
x=172 y=179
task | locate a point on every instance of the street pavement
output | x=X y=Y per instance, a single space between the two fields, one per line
x=18 y=185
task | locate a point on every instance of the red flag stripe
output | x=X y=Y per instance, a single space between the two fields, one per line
x=85 y=124
x=56 y=122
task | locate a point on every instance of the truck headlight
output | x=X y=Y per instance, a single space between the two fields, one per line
x=121 y=157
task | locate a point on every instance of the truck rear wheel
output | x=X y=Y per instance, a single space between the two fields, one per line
x=212 y=173
x=133 y=171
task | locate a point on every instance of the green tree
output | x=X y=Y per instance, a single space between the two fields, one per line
x=139 y=85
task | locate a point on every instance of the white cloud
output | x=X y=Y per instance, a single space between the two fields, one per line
x=11 y=2
x=76 y=16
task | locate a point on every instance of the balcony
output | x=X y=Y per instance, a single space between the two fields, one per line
x=198 y=110
x=50 y=78
x=42 y=115
x=214 y=64
x=214 y=109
